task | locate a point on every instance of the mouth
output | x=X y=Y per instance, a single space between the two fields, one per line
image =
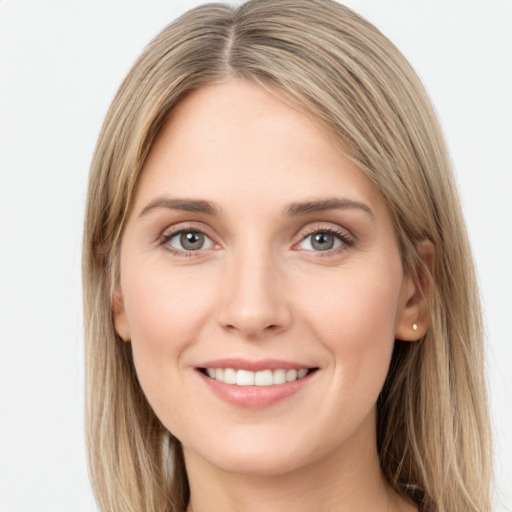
x=266 y=377
x=256 y=384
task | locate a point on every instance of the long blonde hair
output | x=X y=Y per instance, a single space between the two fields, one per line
x=433 y=432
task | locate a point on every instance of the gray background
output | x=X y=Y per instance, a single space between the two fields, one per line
x=61 y=62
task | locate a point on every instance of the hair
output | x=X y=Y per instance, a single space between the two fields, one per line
x=432 y=419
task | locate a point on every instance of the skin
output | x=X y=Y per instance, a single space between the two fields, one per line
x=258 y=289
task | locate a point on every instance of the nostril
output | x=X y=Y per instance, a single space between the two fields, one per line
x=271 y=327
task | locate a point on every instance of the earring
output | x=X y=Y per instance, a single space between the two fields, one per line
x=414 y=327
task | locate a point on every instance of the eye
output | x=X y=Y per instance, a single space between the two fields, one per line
x=188 y=241
x=324 y=240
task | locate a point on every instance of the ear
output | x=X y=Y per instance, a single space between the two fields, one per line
x=417 y=290
x=119 y=315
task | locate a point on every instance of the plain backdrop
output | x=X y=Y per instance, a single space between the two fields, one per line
x=61 y=62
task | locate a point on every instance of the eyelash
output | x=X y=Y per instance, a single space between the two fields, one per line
x=166 y=237
x=346 y=240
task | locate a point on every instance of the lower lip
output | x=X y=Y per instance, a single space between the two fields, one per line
x=253 y=397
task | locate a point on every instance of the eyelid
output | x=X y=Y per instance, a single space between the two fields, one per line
x=171 y=231
x=343 y=234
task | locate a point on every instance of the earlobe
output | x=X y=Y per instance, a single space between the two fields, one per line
x=417 y=291
x=121 y=325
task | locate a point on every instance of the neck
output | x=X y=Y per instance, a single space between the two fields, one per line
x=346 y=481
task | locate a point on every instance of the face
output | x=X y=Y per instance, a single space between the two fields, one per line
x=261 y=285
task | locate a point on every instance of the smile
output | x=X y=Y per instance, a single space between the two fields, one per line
x=255 y=383
x=266 y=377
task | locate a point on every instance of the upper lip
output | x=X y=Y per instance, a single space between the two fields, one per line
x=254 y=365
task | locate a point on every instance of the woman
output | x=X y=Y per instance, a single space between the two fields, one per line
x=281 y=309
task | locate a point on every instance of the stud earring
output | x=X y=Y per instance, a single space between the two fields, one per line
x=414 y=327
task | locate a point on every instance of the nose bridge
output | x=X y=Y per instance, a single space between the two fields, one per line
x=253 y=300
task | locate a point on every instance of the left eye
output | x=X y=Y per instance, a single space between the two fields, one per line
x=190 y=241
x=322 y=241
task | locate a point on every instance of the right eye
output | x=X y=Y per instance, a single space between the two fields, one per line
x=188 y=241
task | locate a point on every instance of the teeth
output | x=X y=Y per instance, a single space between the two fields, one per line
x=261 y=378
x=264 y=378
x=291 y=375
x=229 y=376
x=243 y=378
x=279 y=376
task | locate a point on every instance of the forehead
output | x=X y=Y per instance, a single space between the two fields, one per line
x=236 y=142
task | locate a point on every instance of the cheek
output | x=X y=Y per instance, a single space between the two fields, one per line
x=355 y=307
x=165 y=311
x=162 y=305
x=354 y=317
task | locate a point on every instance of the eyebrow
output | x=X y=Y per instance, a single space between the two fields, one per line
x=187 y=205
x=334 y=203
x=292 y=210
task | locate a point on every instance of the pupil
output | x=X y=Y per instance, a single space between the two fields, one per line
x=191 y=240
x=322 y=241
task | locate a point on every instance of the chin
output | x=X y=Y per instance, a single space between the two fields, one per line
x=257 y=455
x=263 y=464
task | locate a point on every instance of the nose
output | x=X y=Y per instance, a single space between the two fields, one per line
x=253 y=299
